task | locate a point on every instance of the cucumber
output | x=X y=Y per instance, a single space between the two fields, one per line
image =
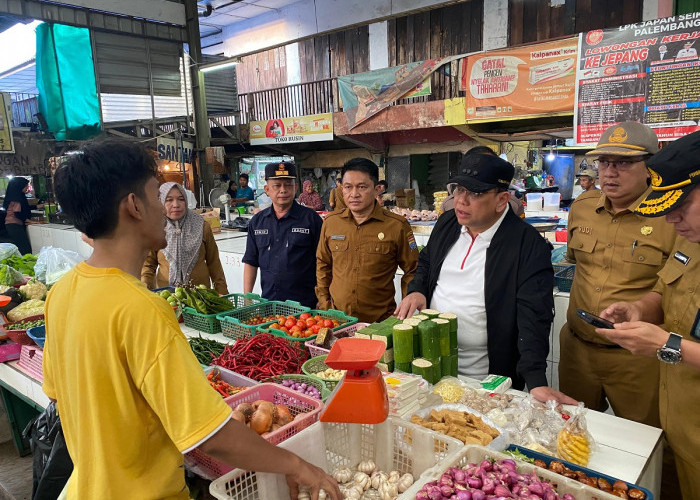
x=402 y=367
x=443 y=335
x=403 y=343
x=424 y=368
x=429 y=340
x=430 y=313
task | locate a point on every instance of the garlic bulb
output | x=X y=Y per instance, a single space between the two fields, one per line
x=342 y=475
x=363 y=480
x=388 y=491
x=378 y=477
x=394 y=476
x=405 y=482
x=367 y=466
x=353 y=492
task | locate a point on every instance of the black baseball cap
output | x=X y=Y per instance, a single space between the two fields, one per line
x=675 y=172
x=482 y=172
x=284 y=170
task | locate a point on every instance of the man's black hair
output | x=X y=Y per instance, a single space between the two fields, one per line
x=92 y=183
x=481 y=150
x=245 y=176
x=383 y=183
x=362 y=165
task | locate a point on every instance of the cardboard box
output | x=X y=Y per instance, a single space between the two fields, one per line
x=405 y=198
x=212 y=217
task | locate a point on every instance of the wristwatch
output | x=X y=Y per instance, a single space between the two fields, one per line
x=671 y=352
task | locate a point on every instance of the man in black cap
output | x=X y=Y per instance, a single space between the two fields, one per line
x=282 y=242
x=493 y=270
x=674 y=303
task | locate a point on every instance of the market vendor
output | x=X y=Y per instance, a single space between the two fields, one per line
x=674 y=303
x=244 y=193
x=131 y=395
x=309 y=197
x=282 y=242
x=361 y=247
x=493 y=270
x=587 y=180
x=18 y=211
x=617 y=254
x=191 y=255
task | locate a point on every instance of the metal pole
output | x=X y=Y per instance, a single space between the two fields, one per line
x=206 y=178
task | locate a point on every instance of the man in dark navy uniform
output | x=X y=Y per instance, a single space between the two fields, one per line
x=282 y=242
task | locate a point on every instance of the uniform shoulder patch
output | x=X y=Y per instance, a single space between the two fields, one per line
x=412 y=241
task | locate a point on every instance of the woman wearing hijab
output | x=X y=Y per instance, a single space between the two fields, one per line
x=309 y=197
x=191 y=255
x=231 y=189
x=18 y=212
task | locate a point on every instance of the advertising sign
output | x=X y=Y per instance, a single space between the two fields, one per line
x=521 y=82
x=309 y=128
x=6 y=142
x=169 y=149
x=647 y=72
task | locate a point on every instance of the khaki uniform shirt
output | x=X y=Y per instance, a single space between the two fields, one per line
x=679 y=396
x=617 y=257
x=356 y=264
x=208 y=270
x=336 y=200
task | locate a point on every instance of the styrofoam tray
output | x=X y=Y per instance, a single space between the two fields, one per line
x=393 y=445
x=500 y=443
x=475 y=454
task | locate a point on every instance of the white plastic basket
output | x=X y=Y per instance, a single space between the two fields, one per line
x=475 y=454
x=393 y=445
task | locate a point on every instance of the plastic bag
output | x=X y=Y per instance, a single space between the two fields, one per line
x=558 y=254
x=8 y=250
x=54 y=262
x=574 y=443
x=10 y=276
x=52 y=464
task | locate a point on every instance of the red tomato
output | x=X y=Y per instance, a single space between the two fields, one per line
x=316 y=328
x=310 y=322
x=285 y=329
x=336 y=323
x=318 y=318
x=290 y=323
x=275 y=326
x=327 y=323
x=301 y=324
x=308 y=332
x=296 y=329
x=305 y=316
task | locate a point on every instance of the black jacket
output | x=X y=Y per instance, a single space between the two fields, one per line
x=518 y=293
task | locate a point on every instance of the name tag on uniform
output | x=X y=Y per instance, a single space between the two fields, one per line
x=682 y=258
x=260 y=231
x=339 y=237
x=303 y=230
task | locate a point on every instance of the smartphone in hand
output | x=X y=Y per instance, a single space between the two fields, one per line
x=594 y=320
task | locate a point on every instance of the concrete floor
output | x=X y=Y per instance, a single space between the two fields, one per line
x=15 y=471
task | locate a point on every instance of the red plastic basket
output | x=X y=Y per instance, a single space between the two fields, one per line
x=277 y=394
x=30 y=359
x=314 y=350
x=19 y=336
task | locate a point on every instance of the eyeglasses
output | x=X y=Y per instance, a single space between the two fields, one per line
x=619 y=165
x=457 y=190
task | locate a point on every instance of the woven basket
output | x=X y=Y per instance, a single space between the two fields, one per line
x=318 y=364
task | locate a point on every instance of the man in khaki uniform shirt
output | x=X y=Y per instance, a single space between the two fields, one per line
x=617 y=255
x=675 y=302
x=360 y=248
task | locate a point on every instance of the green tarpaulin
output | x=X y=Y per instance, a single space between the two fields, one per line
x=65 y=76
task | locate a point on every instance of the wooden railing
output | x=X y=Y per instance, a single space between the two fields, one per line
x=322 y=97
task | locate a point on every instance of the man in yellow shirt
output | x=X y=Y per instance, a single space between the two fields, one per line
x=131 y=395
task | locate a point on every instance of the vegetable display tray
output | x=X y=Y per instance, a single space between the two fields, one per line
x=296 y=402
x=476 y=454
x=392 y=445
x=303 y=379
x=589 y=472
x=318 y=364
x=19 y=336
x=233 y=322
x=30 y=359
x=342 y=318
x=210 y=323
x=345 y=330
x=565 y=278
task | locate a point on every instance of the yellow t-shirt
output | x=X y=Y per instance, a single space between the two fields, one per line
x=131 y=395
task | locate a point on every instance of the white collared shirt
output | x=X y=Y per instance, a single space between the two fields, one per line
x=460 y=290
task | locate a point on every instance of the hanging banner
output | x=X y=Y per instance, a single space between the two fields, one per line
x=647 y=72
x=6 y=142
x=365 y=94
x=309 y=128
x=524 y=81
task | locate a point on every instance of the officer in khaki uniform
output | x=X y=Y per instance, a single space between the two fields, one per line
x=360 y=248
x=675 y=302
x=617 y=255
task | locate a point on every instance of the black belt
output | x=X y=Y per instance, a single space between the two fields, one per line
x=595 y=344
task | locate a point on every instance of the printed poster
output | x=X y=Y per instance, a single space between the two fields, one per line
x=7 y=144
x=647 y=72
x=308 y=128
x=524 y=81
